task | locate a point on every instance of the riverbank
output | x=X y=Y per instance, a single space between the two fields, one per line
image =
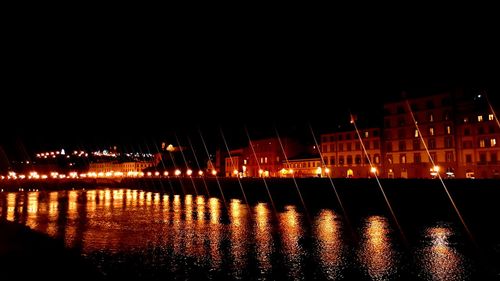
x=26 y=254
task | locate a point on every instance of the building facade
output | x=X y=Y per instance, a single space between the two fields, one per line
x=120 y=167
x=344 y=156
x=478 y=134
x=303 y=167
x=416 y=131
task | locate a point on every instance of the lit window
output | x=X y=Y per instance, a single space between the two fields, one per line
x=466 y=120
x=490 y=117
x=245 y=161
x=416 y=133
x=431 y=131
x=480 y=118
x=448 y=130
x=261 y=160
x=493 y=142
x=366 y=133
x=265 y=160
x=431 y=117
x=482 y=143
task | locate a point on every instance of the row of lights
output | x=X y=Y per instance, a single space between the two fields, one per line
x=75 y=175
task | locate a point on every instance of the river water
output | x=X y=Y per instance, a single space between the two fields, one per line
x=153 y=236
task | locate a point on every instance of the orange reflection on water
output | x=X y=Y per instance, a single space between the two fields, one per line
x=329 y=244
x=11 y=205
x=263 y=238
x=53 y=213
x=440 y=260
x=214 y=233
x=239 y=229
x=291 y=233
x=32 y=210
x=377 y=253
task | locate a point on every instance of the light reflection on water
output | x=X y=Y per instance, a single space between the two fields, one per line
x=376 y=252
x=244 y=242
x=440 y=260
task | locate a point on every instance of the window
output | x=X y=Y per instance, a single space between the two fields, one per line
x=349 y=146
x=376 y=144
x=324 y=148
x=492 y=129
x=389 y=158
x=466 y=119
x=347 y=136
x=400 y=110
x=467 y=144
x=401 y=121
x=434 y=157
x=414 y=107
x=480 y=118
x=387 y=123
x=375 y=133
x=349 y=160
x=388 y=146
x=402 y=159
x=341 y=160
x=261 y=160
x=366 y=160
x=416 y=144
x=324 y=139
x=401 y=133
x=446 y=116
x=468 y=158
x=332 y=138
x=466 y=132
x=493 y=142
x=480 y=130
x=402 y=146
x=482 y=143
x=265 y=160
x=430 y=105
x=357 y=159
x=277 y=158
x=432 y=143
x=366 y=134
x=376 y=158
x=416 y=133
x=493 y=157
x=448 y=142
x=431 y=117
x=490 y=117
x=367 y=145
x=388 y=134
x=358 y=146
x=340 y=137
x=449 y=156
x=332 y=147
x=244 y=161
x=332 y=160
x=482 y=158
x=417 y=158
x=448 y=130
x=431 y=131
x=341 y=147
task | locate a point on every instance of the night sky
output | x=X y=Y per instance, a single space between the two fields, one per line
x=103 y=86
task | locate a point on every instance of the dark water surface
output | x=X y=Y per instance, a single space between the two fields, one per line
x=152 y=236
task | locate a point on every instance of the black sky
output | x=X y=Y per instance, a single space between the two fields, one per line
x=102 y=84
